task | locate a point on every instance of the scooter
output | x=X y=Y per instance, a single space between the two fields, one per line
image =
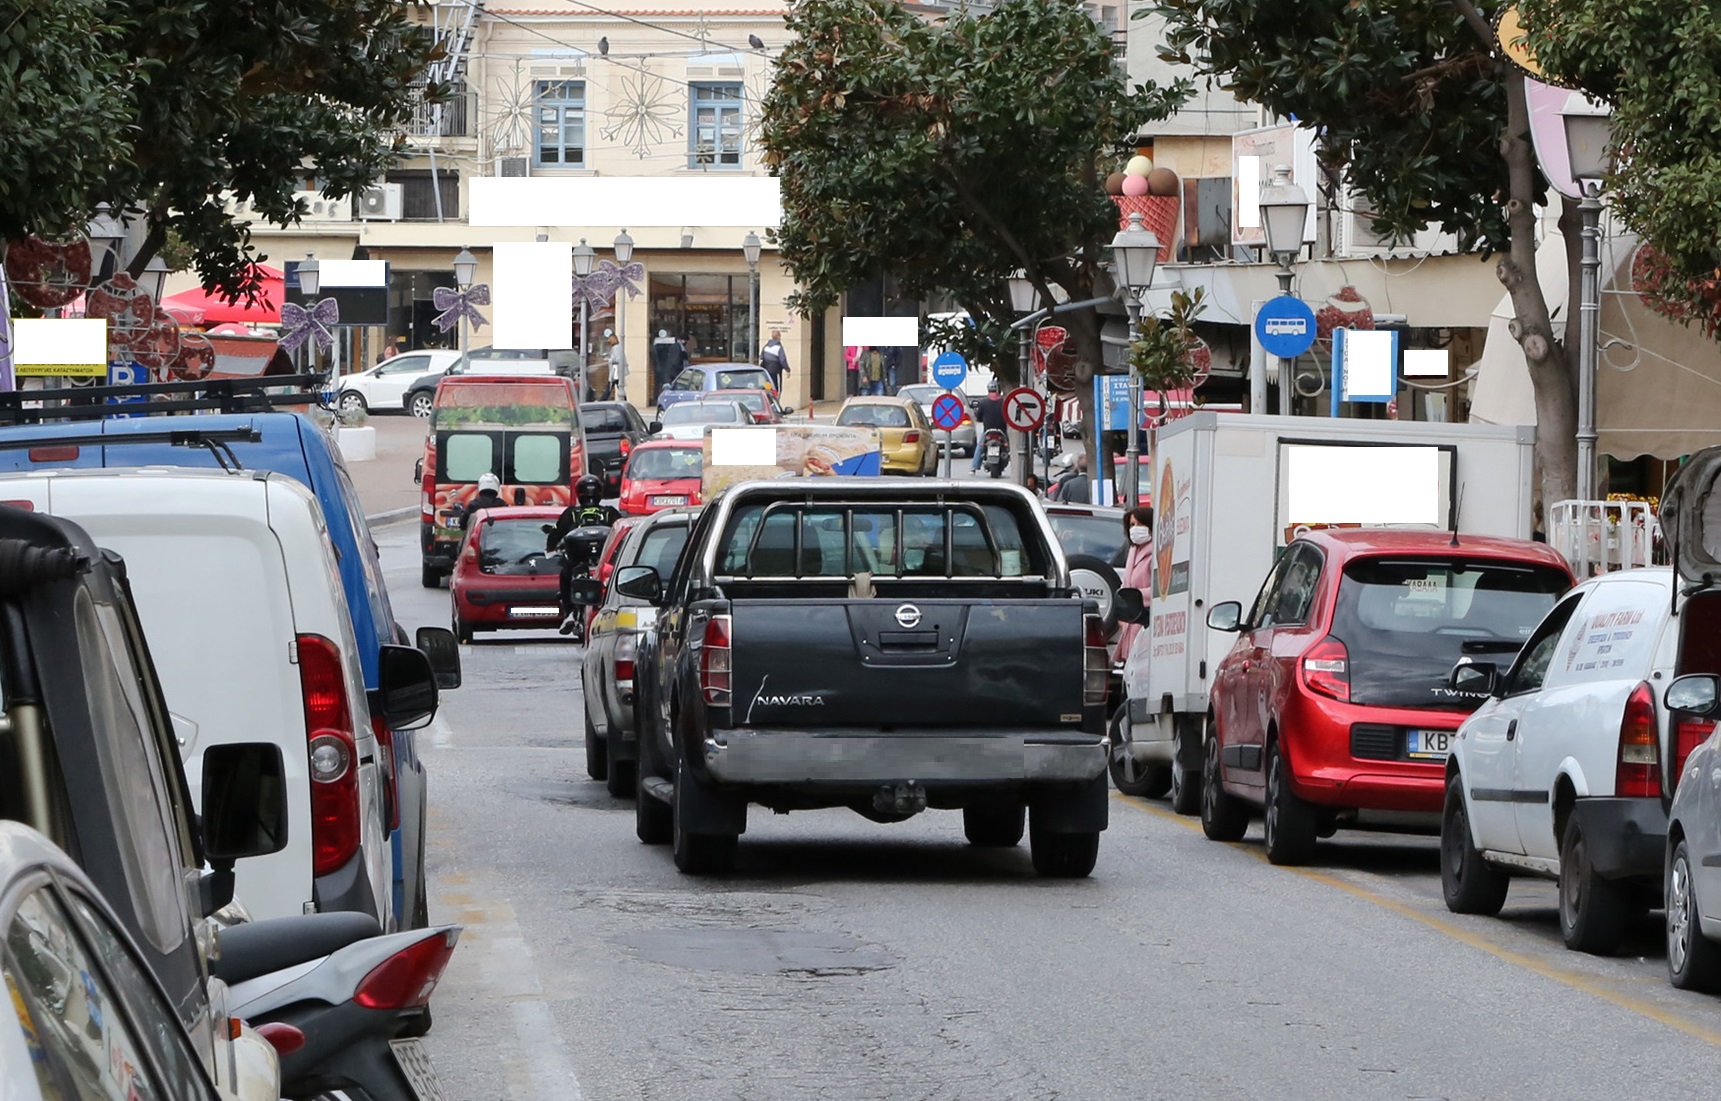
x=343 y=1005
x=996 y=457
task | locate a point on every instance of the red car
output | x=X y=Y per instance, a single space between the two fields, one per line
x=606 y=561
x=503 y=579
x=762 y=404
x=1335 y=703
x=661 y=474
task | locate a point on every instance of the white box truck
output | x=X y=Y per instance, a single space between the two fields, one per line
x=1230 y=491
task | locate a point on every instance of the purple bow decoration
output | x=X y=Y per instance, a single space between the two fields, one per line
x=457 y=304
x=600 y=287
x=299 y=324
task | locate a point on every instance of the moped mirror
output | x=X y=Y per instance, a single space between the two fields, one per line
x=1130 y=605
x=443 y=650
x=244 y=812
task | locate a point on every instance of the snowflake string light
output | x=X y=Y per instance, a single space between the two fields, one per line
x=644 y=115
x=511 y=116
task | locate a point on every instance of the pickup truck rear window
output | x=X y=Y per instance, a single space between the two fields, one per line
x=841 y=540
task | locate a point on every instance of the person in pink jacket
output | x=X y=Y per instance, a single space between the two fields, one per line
x=1137 y=570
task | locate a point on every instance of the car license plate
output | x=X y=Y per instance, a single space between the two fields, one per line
x=669 y=499
x=1428 y=745
x=415 y=1064
x=534 y=613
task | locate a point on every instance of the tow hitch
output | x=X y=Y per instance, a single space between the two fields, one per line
x=904 y=799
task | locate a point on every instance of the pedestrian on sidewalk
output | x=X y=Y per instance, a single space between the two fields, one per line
x=618 y=368
x=851 y=368
x=872 y=371
x=1137 y=570
x=668 y=357
x=775 y=359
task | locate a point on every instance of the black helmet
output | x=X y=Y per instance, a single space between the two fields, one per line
x=589 y=489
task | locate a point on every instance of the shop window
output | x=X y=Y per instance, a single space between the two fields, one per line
x=707 y=312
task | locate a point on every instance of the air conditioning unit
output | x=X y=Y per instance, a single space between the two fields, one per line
x=513 y=166
x=1356 y=237
x=381 y=203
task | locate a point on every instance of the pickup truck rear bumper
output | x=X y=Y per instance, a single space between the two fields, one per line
x=755 y=756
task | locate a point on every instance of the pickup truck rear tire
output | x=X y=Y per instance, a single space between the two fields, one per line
x=620 y=778
x=1469 y=883
x=597 y=752
x=653 y=820
x=1224 y=817
x=1290 y=823
x=994 y=826
x=697 y=853
x=1063 y=855
x=1594 y=912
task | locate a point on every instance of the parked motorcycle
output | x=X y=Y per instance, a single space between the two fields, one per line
x=996 y=454
x=343 y=1004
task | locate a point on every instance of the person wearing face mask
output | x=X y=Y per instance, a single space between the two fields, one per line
x=1137 y=570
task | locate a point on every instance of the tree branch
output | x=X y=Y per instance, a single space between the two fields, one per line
x=1477 y=22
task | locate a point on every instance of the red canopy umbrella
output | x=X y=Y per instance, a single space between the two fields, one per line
x=212 y=308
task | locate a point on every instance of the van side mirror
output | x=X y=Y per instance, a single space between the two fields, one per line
x=1474 y=678
x=1129 y=605
x=654 y=427
x=418 y=471
x=244 y=812
x=1695 y=694
x=639 y=582
x=443 y=651
x=519 y=495
x=786 y=410
x=1226 y=616
x=405 y=696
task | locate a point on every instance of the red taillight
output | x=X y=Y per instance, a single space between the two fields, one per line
x=406 y=979
x=27 y=506
x=1096 y=662
x=1639 y=771
x=626 y=447
x=63 y=453
x=1688 y=734
x=1326 y=669
x=391 y=774
x=333 y=757
x=624 y=671
x=714 y=668
x=911 y=436
x=284 y=1038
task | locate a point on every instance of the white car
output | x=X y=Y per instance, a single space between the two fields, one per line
x=383 y=387
x=1561 y=772
x=240 y=598
x=688 y=420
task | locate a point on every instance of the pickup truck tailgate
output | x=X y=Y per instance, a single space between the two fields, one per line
x=988 y=665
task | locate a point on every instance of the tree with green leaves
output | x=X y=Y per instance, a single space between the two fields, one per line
x=164 y=108
x=951 y=153
x=1430 y=125
x=1658 y=62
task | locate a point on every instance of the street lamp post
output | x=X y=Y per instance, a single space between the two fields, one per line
x=1284 y=211
x=1587 y=124
x=623 y=256
x=1135 y=251
x=584 y=258
x=310 y=282
x=1023 y=295
x=750 y=249
x=465 y=273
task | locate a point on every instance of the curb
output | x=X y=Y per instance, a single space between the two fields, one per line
x=392 y=516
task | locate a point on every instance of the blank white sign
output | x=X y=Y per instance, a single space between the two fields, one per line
x=881 y=332
x=743 y=447
x=1361 y=485
x=1425 y=362
x=1368 y=367
x=532 y=295
x=59 y=341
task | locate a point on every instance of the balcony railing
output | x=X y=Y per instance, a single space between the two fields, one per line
x=459 y=117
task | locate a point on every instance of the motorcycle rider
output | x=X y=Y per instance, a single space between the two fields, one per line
x=989 y=415
x=489 y=495
x=588 y=510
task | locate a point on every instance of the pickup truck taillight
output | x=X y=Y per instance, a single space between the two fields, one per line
x=714 y=668
x=1326 y=669
x=1096 y=662
x=1688 y=734
x=626 y=647
x=626 y=447
x=1639 y=771
x=333 y=758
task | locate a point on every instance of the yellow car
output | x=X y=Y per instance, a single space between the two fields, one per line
x=907 y=436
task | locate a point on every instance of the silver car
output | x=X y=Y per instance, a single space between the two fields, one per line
x=923 y=395
x=606 y=674
x=1693 y=878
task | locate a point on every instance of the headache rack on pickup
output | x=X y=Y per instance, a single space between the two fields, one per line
x=217 y=395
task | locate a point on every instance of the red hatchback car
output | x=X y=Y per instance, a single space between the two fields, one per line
x=503 y=579
x=1334 y=704
x=661 y=474
x=762 y=404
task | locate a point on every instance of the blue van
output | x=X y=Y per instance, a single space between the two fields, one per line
x=293 y=445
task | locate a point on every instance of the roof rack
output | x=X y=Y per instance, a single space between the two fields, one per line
x=217 y=440
x=216 y=395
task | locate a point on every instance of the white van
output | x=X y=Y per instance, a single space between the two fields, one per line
x=237 y=587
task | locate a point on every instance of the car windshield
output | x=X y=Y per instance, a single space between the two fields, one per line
x=747 y=378
x=660 y=463
x=1086 y=533
x=702 y=412
x=514 y=547
x=609 y=421
x=1407 y=621
x=874 y=416
x=924 y=395
x=753 y=401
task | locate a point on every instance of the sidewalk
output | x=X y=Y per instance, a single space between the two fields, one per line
x=385 y=484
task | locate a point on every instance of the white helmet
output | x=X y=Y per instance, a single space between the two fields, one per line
x=488 y=481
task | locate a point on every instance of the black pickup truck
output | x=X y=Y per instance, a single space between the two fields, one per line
x=877 y=644
x=612 y=430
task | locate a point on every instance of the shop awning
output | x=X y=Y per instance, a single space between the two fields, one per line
x=195 y=307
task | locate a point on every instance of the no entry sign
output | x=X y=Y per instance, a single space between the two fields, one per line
x=1024 y=409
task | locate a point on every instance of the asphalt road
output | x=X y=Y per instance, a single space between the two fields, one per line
x=848 y=960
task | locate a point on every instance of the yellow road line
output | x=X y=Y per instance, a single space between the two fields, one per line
x=1576 y=981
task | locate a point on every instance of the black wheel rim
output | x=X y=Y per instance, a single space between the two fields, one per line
x=1572 y=883
x=1454 y=835
x=1270 y=825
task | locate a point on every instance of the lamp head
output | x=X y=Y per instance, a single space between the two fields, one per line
x=1134 y=252
x=1284 y=211
x=623 y=248
x=465 y=269
x=310 y=277
x=584 y=257
x=1589 y=136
